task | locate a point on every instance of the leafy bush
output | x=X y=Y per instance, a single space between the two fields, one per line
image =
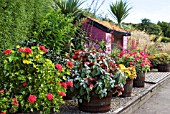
x=18 y=18
x=56 y=31
x=30 y=82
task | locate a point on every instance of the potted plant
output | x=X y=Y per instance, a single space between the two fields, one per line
x=29 y=82
x=162 y=60
x=130 y=72
x=95 y=76
x=139 y=60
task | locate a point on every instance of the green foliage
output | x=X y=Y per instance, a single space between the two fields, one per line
x=94 y=72
x=119 y=10
x=26 y=72
x=56 y=31
x=165 y=28
x=18 y=17
x=149 y=27
x=69 y=6
x=165 y=39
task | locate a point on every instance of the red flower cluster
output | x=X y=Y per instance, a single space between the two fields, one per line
x=62 y=94
x=67 y=84
x=25 y=50
x=59 y=67
x=70 y=64
x=76 y=55
x=2 y=112
x=43 y=49
x=15 y=102
x=1 y=91
x=6 y=52
x=32 y=99
x=49 y=96
x=25 y=84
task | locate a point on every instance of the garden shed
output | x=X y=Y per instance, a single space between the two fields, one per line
x=98 y=30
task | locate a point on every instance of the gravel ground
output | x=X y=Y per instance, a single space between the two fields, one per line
x=71 y=107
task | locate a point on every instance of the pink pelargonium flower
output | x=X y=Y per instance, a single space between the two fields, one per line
x=70 y=84
x=142 y=64
x=130 y=63
x=49 y=96
x=32 y=99
x=6 y=52
x=59 y=67
x=62 y=94
x=25 y=84
x=70 y=64
x=91 y=86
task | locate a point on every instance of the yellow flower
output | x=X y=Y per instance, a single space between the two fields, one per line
x=26 y=61
x=23 y=55
x=17 y=46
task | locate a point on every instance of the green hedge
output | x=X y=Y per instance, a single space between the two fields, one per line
x=18 y=19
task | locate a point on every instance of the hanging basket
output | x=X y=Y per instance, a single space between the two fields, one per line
x=96 y=105
x=140 y=80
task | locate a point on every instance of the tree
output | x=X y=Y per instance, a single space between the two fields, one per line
x=165 y=28
x=119 y=10
x=149 y=27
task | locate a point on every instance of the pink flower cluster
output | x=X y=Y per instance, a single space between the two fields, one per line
x=49 y=96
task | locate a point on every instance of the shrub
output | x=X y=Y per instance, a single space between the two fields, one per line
x=56 y=31
x=30 y=82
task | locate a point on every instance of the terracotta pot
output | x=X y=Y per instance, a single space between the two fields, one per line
x=140 y=80
x=127 y=88
x=96 y=105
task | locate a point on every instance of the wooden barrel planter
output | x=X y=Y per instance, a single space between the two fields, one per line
x=163 y=67
x=127 y=88
x=140 y=80
x=96 y=105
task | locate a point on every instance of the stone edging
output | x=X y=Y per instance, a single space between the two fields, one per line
x=137 y=101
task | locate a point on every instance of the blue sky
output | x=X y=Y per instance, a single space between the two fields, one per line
x=155 y=10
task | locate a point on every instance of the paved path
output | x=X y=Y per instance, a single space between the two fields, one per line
x=157 y=104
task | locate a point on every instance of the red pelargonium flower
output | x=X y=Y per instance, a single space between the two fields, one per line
x=2 y=112
x=64 y=84
x=1 y=91
x=28 y=50
x=62 y=94
x=14 y=99
x=32 y=99
x=25 y=84
x=59 y=67
x=43 y=49
x=16 y=103
x=49 y=96
x=6 y=52
x=70 y=84
x=70 y=64
x=21 y=50
x=130 y=63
